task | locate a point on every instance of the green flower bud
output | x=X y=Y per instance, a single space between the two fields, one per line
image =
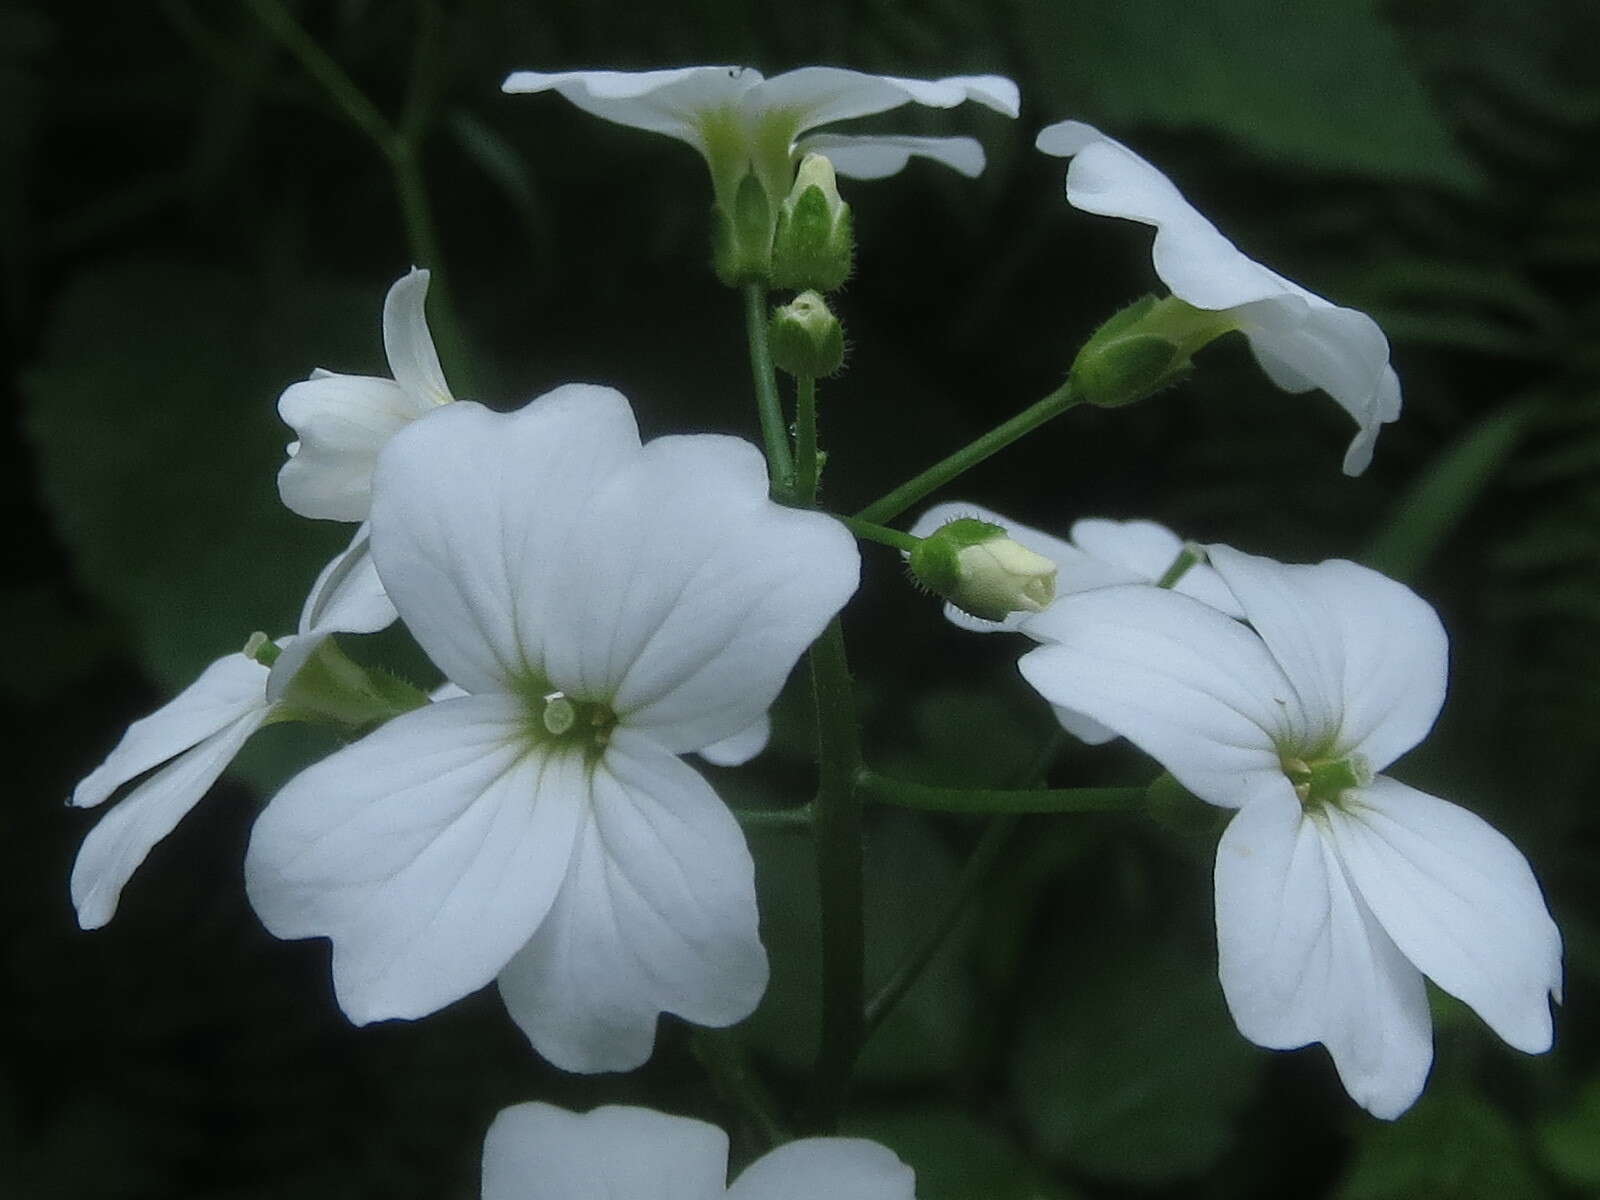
x=741 y=239
x=814 y=246
x=975 y=566
x=805 y=337
x=1142 y=349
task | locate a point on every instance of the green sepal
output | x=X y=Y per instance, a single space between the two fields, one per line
x=805 y=338
x=741 y=241
x=1172 y=806
x=1142 y=349
x=814 y=246
x=330 y=689
x=935 y=561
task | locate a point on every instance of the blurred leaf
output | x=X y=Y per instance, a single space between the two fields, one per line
x=1323 y=85
x=1450 y=1144
x=956 y=1157
x=971 y=739
x=1569 y=1143
x=1132 y=1071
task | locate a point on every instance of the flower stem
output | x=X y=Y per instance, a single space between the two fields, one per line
x=723 y=1058
x=879 y=533
x=801 y=816
x=768 y=405
x=903 y=793
x=806 y=466
x=903 y=497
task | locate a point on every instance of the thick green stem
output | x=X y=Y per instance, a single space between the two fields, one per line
x=769 y=407
x=839 y=877
x=881 y=534
x=805 y=439
x=903 y=793
x=969 y=456
x=723 y=1058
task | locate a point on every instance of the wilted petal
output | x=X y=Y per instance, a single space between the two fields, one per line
x=688 y=594
x=669 y=102
x=427 y=852
x=657 y=914
x=540 y=1152
x=475 y=512
x=878 y=156
x=835 y=1168
x=226 y=691
x=343 y=421
x=124 y=836
x=739 y=749
x=1459 y=900
x=1146 y=550
x=1193 y=689
x=1366 y=655
x=409 y=345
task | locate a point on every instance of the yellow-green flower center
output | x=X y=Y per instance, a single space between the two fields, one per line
x=1323 y=781
x=557 y=720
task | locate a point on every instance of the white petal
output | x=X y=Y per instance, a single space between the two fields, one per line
x=739 y=749
x=836 y=1168
x=409 y=345
x=822 y=95
x=693 y=594
x=1367 y=656
x=227 y=690
x=1301 y=958
x=124 y=836
x=1146 y=549
x=1461 y=903
x=343 y=422
x=428 y=852
x=658 y=914
x=293 y=653
x=475 y=514
x=1086 y=729
x=348 y=596
x=877 y=156
x=540 y=1152
x=667 y=102
x=1193 y=689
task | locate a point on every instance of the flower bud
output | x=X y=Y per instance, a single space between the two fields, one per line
x=980 y=570
x=741 y=235
x=804 y=337
x=814 y=246
x=1142 y=349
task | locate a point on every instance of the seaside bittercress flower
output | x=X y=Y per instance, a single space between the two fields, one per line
x=606 y=606
x=1337 y=887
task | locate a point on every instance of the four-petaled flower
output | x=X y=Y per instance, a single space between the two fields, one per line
x=540 y=1152
x=1301 y=340
x=607 y=607
x=1337 y=889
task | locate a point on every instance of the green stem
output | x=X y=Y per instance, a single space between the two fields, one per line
x=723 y=1058
x=903 y=793
x=879 y=533
x=320 y=66
x=805 y=439
x=801 y=816
x=903 y=497
x=1187 y=557
x=839 y=877
x=416 y=212
x=976 y=870
x=768 y=405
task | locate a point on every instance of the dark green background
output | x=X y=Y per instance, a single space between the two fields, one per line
x=187 y=225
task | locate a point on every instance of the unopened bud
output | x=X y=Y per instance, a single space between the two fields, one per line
x=805 y=338
x=975 y=566
x=1142 y=349
x=814 y=246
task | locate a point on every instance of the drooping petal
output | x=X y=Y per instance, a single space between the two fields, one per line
x=693 y=593
x=1146 y=549
x=428 y=852
x=739 y=749
x=1367 y=656
x=474 y=513
x=1193 y=689
x=409 y=345
x=1301 y=958
x=539 y=1152
x=226 y=691
x=838 y=1168
x=348 y=596
x=668 y=102
x=1459 y=900
x=343 y=422
x=878 y=156
x=657 y=914
x=125 y=835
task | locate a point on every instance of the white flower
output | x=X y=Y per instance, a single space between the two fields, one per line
x=343 y=421
x=607 y=607
x=738 y=119
x=540 y=1152
x=1301 y=340
x=200 y=731
x=1338 y=889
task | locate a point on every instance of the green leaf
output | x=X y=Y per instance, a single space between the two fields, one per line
x=1450 y=1144
x=1569 y=1143
x=1131 y=1070
x=957 y=1157
x=1322 y=85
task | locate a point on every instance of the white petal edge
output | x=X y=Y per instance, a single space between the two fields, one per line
x=739 y=749
x=878 y=156
x=822 y=95
x=1147 y=549
x=342 y=423
x=348 y=596
x=837 y=1168
x=1460 y=901
x=657 y=914
x=537 y=1151
x=409 y=345
x=668 y=102
x=428 y=852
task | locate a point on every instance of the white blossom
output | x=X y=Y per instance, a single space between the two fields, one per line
x=1337 y=888
x=540 y=1152
x=606 y=607
x=1301 y=340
